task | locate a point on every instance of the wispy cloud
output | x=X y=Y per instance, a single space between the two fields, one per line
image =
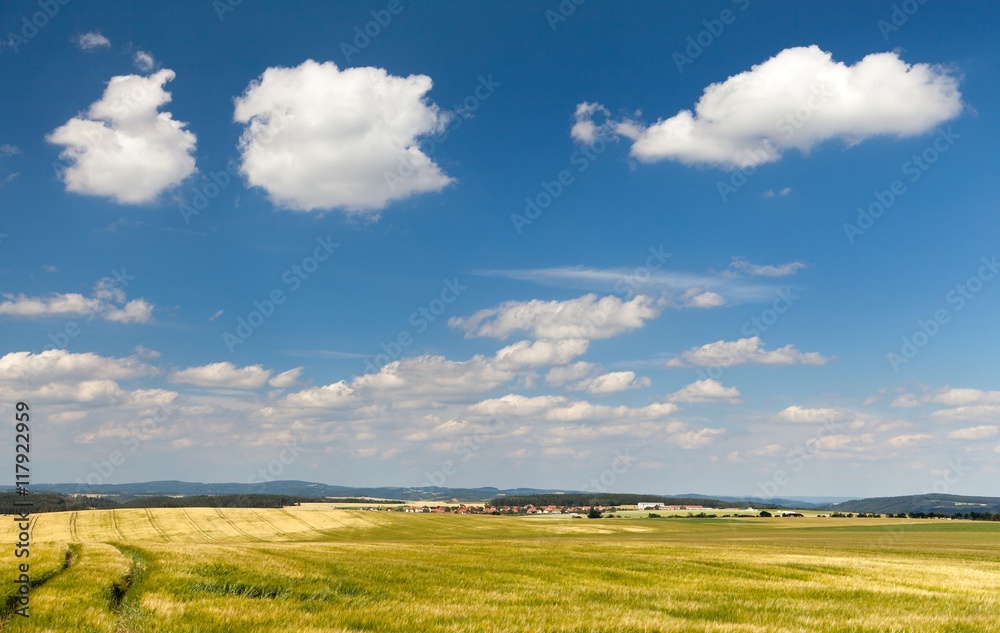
x=675 y=285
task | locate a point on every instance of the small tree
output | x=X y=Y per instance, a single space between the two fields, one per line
x=594 y=514
x=765 y=513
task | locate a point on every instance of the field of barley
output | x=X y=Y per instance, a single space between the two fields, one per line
x=316 y=569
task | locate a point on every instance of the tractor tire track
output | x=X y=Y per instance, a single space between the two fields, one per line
x=114 y=527
x=274 y=527
x=74 y=536
x=312 y=528
x=198 y=528
x=157 y=527
x=234 y=526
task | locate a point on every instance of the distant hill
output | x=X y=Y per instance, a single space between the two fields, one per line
x=291 y=488
x=929 y=503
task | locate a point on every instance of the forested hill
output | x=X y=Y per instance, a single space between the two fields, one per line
x=927 y=504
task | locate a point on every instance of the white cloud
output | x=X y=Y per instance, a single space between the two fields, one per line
x=953 y=397
x=907 y=441
x=91 y=41
x=559 y=376
x=222 y=375
x=286 y=378
x=584 y=129
x=677 y=288
x=542 y=353
x=125 y=148
x=695 y=439
x=143 y=61
x=68 y=416
x=332 y=396
x=107 y=301
x=612 y=383
x=696 y=298
x=797 y=99
x=985 y=412
x=983 y=432
x=770 y=450
x=59 y=365
x=743 y=265
x=318 y=137
x=707 y=390
x=585 y=317
x=795 y=413
x=744 y=350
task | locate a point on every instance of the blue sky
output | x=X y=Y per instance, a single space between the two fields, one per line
x=617 y=258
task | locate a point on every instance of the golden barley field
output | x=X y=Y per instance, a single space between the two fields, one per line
x=318 y=569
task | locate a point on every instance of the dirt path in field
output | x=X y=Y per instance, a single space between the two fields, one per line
x=72 y=528
x=9 y=605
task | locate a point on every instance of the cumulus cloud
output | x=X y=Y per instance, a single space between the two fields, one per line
x=59 y=365
x=561 y=409
x=797 y=99
x=332 y=396
x=222 y=375
x=125 y=148
x=286 y=378
x=983 y=432
x=707 y=390
x=143 y=61
x=107 y=301
x=318 y=137
x=795 y=413
x=744 y=350
x=543 y=353
x=697 y=298
x=907 y=441
x=91 y=41
x=587 y=317
x=745 y=266
x=612 y=383
x=559 y=376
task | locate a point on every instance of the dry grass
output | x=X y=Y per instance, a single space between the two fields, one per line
x=311 y=569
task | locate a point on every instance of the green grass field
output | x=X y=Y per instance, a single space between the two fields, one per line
x=304 y=569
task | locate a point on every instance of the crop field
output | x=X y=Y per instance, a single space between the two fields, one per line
x=315 y=569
